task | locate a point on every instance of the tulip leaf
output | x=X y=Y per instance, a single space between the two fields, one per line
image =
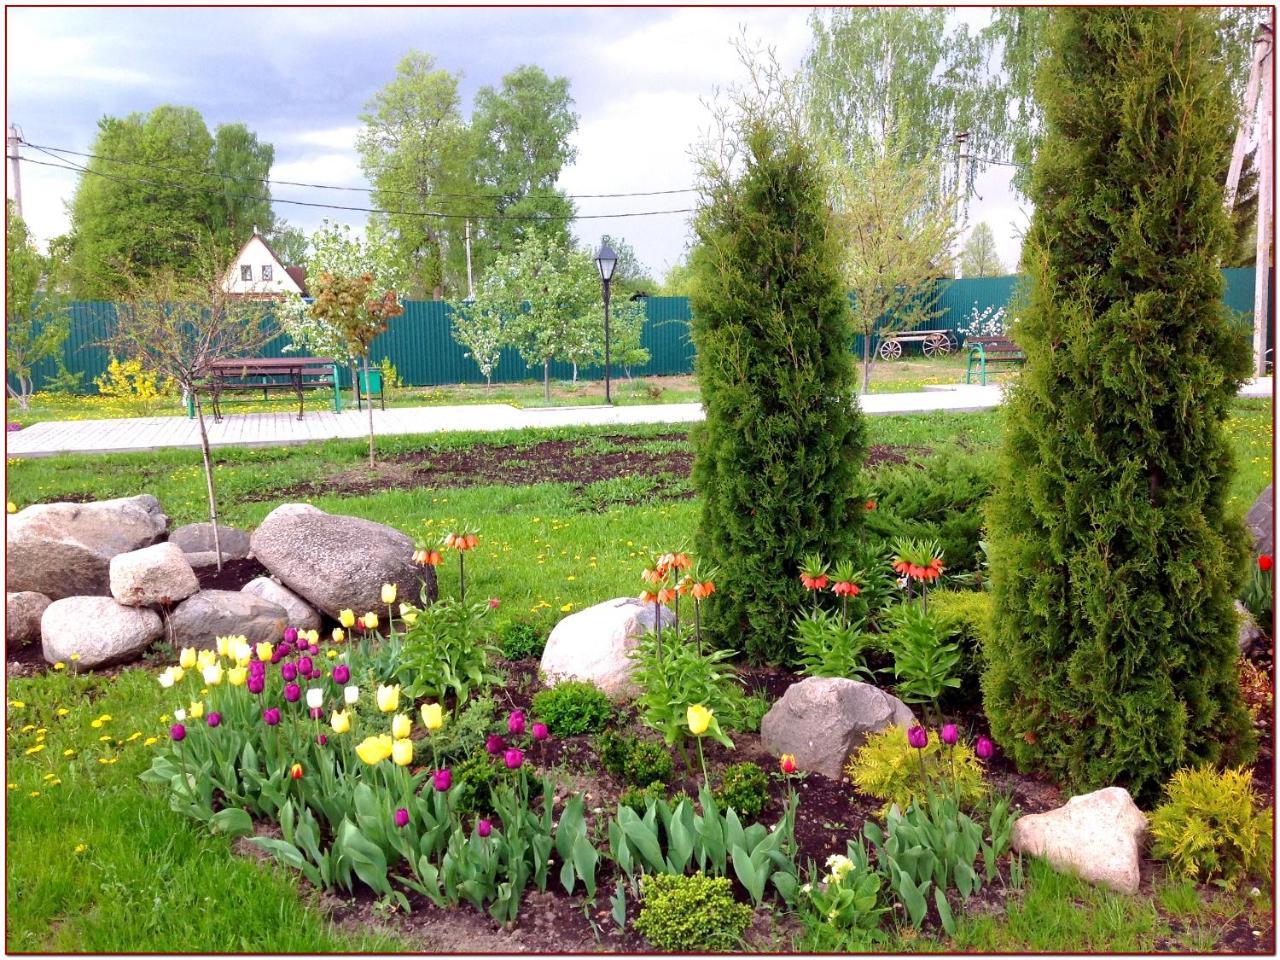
x=944 y=912
x=748 y=874
x=646 y=843
x=585 y=859
x=232 y=821
x=619 y=904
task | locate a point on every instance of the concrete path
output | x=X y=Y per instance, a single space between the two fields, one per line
x=283 y=428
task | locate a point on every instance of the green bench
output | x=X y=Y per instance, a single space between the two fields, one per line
x=984 y=350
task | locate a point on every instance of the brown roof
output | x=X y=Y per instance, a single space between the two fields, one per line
x=299 y=276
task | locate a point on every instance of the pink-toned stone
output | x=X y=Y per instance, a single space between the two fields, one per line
x=1096 y=836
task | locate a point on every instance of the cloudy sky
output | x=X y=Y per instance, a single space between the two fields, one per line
x=299 y=78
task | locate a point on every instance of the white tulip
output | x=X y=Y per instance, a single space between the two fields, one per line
x=351 y=694
x=166 y=679
x=179 y=714
x=315 y=698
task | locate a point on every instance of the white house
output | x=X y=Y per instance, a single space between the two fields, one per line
x=258 y=273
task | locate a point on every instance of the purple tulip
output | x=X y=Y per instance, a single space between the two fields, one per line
x=514 y=758
x=949 y=734
x=443 y=779
x=515 y=722
x=495 y=744
x=290 y=634
x=402 y=817
x=289 y=671
x=305 y=665
x=918 y=737
x=292 y=692
x=484 y=828
x=271 y=716
x=341 y=673
x=984 y=748
x=256 y=683
x=285 y=648
x=177 y=732
x=13 y=427
x=322 y=740
x=316 y=713
x=313 y=649
x=540 y=731
x=214 y=719
x=257 y=668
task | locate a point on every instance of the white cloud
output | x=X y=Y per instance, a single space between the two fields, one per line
x=335 y=138
x=43 y=61
x=333 y=169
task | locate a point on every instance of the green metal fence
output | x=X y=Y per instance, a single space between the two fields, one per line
x=424 y=352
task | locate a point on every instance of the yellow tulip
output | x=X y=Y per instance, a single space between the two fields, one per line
x=313 y=636
x=12 y=507
x=223 y=645
x=187 y=658
x=264 y=651
x=213 y=674
x=401 y=726
x=196 y=710
x=370 y=620
x=205 y=657
x=402 y=753
x=177 y=673
x=388 y=593
x=432 y=716
x=388 y=698
x=347 y=618
x=340 y=721
x=339 y=634
x=236 y=676
x=699 y=719
x=373 y=750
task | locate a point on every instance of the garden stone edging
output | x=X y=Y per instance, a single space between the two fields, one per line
x=595 y=643
x=96 y=630
x=158 y=575
x=22 y=613
x=300 y=613
x=336 y=562
x=1096 y=836
x=65 y=549
x=203 y=617
x=821 y=720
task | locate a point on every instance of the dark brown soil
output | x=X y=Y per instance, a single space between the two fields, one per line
x=235 y=574
x=578 y=462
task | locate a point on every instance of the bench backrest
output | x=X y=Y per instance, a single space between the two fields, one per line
x=994 y=345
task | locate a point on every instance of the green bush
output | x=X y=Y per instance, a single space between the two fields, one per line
x=940 y=499
x=444 y=651
x=464 y=733
x=745 y=788
x=476 y=777
x=691 y=914
x=639 y=798
x=634 y=761
x=751 y=712
x=572 y=707
x=890 y=769
x=1212 y=827
x=613 y=748
x=1113 y=559
x=521 y=640
x=683 y=676
x=777 y=460
x=966 y=614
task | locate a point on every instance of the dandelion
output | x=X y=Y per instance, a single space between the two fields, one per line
x=566 y=607
x=36 y=749
x=59 y=665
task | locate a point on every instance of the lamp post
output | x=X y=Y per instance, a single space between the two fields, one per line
x=606 y=260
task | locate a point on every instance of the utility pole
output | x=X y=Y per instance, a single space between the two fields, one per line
x=962 y=212
x=471 y=290
x=1266 y=203
x=11 y=142
x=1261 y=47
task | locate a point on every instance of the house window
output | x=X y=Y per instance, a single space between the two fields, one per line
x=266 y=271
x=246 y=273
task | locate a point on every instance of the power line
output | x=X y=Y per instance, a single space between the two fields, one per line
x=324 y=186
x=431 y=214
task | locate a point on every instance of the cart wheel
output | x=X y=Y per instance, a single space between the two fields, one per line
x=945 y=346
x=935 y=345
x=890 y=349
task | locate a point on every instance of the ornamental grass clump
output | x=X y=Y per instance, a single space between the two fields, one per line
x=891 y=767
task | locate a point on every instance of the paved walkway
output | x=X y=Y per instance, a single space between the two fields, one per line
x=283 y=428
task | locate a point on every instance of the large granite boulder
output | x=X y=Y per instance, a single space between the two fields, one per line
x=1261 y=521
x=22 y=613
x=198 y=538
x=821 y=720
x=595 y=644
x=96 y=631
x=338 y=563
x=200 y=619
x=157 y=575
x=1097 y=836
x=300 y=613
x=1249 y=636
x=65 y=549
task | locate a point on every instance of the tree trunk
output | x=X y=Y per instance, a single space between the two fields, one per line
x=575 y=373
x=355 y=382
x=866 y=362
x=369 y=397
x=208 y=480
x=546 y=379
x=23 y=401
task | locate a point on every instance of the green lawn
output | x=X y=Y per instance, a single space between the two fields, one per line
x=98 y=863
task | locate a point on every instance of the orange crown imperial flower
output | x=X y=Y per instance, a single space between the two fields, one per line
x=666 y=595
x=427 y=558
x=681 y=561
x=648 y=597
x=653 y=576
x=846 y=588
x=703 y=590
x=814 y=583
x=665 y=563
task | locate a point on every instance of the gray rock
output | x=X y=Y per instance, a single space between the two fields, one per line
x=64 y=549
x=198 y=538
x=157 y=575
x=199 y=620
x=1248 y=633
x=207 y=559
x=821 y=720
x=1097 y=836
x=97 y=631
x=338 y=563
x=22 y=612
x=595 y=644
x=1261 y=521
x=298 y=610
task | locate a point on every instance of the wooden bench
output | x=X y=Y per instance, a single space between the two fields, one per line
x=294 y=374
x=931 y=342
x=986 y=350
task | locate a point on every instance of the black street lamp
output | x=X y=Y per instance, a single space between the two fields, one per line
x=606 y=260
